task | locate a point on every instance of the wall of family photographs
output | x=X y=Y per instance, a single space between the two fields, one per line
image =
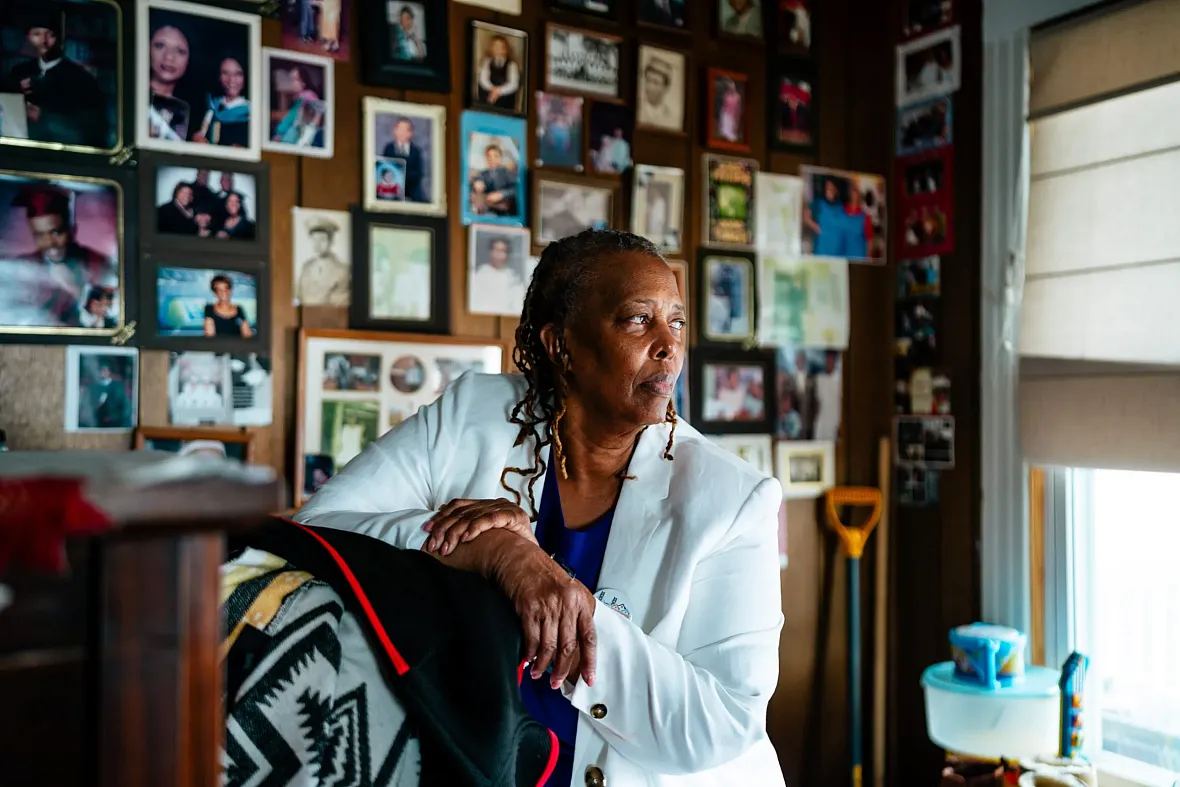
x=425 y=151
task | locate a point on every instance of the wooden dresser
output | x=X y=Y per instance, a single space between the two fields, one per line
x=109 y=673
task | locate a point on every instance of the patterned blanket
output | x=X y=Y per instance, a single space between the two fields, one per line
x=306 y=701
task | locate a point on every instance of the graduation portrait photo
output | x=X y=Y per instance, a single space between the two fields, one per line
x=198 y=80
x=61 y=74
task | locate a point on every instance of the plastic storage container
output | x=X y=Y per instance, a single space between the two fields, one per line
x=1015 y=721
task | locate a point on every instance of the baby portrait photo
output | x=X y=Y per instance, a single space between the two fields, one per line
x=403 y=148
x=61 y=74
x=499 y=60
x=493 y=150
x=198 y=80
x=559 y=131
x=61 y=254
x=844 y=215
x=299 y=103
x=202 y=203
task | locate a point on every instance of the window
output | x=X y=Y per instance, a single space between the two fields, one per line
x=1112 y=591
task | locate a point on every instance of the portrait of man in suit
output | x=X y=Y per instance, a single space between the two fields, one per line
x=402 y=146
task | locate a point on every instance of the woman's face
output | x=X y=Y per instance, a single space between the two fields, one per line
x=222 y=291
x=233 y=204
x=233 y=78
x=626 y=345
x=184 y=196
x=297 y=80
x=169 y=55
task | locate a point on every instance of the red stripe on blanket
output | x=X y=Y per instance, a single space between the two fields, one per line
x=554 y=750
x=399 y=663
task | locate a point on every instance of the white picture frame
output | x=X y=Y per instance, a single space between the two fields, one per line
x=495 y=293
x=423 y=365
x=755 y=449
x=436 y=205
x=143 y=94
x=806 y=469
x=503 y=6
x=93 y=398
x=651 y=179
x=328 y=148
x=919 y=76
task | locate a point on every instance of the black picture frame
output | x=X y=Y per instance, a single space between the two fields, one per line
x=611 y=11
x=359 y=312
x=775 y=29
x=787 y=66
x=151 y=238
x=149 y=267
x=380 y=69
x=264 y=8
x=643 y=18
x=702 y=360
x=703 y=289
x=523 y=91
x=85 y=155
x=125 y=331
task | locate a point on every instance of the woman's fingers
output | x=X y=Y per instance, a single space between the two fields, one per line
x=548 y=645
x=588 y=642
x=567 y=645
x=531 y=628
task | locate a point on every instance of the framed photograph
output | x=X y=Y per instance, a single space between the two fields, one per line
x=498 y=269
x=404 y=157
x=729 y=201
x=406 y=45
x=803 y=301
x=793 y=25
x=607 y=9
x=299 y=91
x=729 y=110
x=664 y=14
x=341 y=408
x=494 y=152
x=927 y=203
x=102 y=389
x=925 y=126
x=662 y=94
x=810 y=392
x=198 y=307
x=919 y=278
x=924 y=16
x=322 y=246
x=65 y=245
x=657 y=206
x=928 y=67
x=725 y=297
x=218 y=389
x=565 y=206
x=198 y=80
x=226 y=444
x=917 y=487
x=740 y=18
x=756 y=449
x=205 y=205
x=791 y=110
x=503 y=6
x=778 y=206
x=924 y=441
x=499 y=68
x=401 y=281
x=66 y=80
x=609 y=139
x=582 y=62
x=844 y=215
x=680 y=269
x=559 y=131
x=805 y=469
x=317 y=28
x=732 y=391
x=926 y=392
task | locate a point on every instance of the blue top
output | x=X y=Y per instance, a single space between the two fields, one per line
x=580 y=551
x=832 y=220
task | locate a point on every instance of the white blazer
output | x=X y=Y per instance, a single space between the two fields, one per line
x=681 y=688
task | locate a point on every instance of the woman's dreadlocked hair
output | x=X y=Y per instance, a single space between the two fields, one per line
x=559 y=286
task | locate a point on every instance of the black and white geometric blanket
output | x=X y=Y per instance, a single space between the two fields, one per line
x=307 y=704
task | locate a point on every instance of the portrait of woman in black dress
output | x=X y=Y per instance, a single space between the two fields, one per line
x=236 y=223
x=223 y=317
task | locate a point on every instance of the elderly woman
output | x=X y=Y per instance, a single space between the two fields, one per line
x=640 y=558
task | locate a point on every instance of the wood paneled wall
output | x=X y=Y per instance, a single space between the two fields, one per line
x=933 y=552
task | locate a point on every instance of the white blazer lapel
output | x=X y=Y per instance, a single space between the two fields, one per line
x=640 y=529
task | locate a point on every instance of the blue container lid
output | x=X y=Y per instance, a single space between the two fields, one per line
x=1039 y=682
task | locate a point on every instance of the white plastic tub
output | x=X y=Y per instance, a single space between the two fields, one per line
x=1021 y=720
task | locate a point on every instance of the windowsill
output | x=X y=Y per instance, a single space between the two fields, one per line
x=1117 y=771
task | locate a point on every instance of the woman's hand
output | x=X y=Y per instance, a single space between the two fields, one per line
x=459 y=521
x=556 y=613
